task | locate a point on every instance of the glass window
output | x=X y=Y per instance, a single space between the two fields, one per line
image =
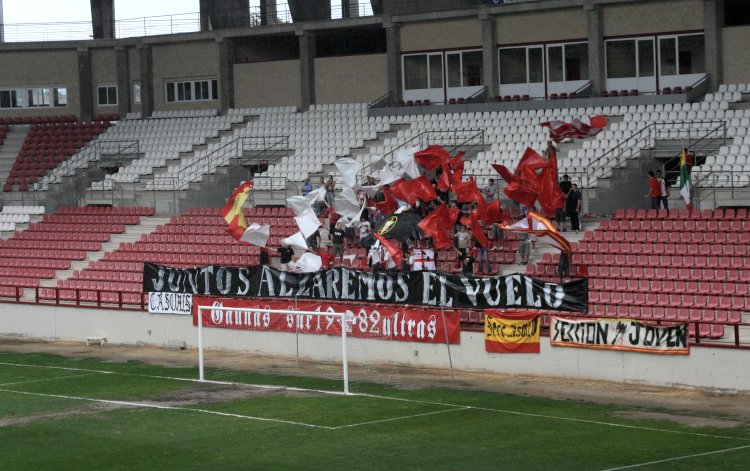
x=536 y=65
x=136 y=92
x=454 y=70
x=107 y=95
x=645 y=57
x=472 y=63
x=170 y=92
x=692 y=57
x=415 y=72
x=621 y=59
x=555 y=63
x=61 y=96
x=436 y=70
x=668 y=56
x=215 y=89
x=513 y=66
x=4 y=98
x=576 y=62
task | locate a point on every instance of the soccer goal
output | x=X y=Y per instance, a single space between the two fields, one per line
x=323 y=346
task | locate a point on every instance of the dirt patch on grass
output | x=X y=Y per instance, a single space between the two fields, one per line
x=704 y=403
x=689 y=420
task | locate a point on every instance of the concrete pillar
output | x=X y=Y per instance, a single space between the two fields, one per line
x=2 y=23
x=103 y=18
x=124 y=97
x=377 y=7
x=226 y=74
x=223 y=14
x=489 y=56
x=713 y=19
x=85 y=90
x=268 y=12
x=307 y=10
x=147 y=80
x=350 y=8
x=595 y=30
x=307 y=68
x=393 y=51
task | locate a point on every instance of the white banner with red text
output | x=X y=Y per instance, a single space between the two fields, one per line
x=382 y=322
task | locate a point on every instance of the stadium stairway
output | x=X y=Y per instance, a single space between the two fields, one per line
x=11 y=146
x=132 y=233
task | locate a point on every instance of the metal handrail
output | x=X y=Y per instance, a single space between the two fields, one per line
x=579 y=92
x=476 y=97
x=710 y=183
x=384 y=100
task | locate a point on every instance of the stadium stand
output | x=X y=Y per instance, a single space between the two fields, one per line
x=48 y=144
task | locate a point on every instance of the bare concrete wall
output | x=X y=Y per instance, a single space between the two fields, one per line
x=274 y=83
x=652 y=17
x=184 y=61
x=736 y=57
x=441 y=35
x=553 y=25
x=705 y=368
x=32 y=68
x=350 y=79
x=103 y=72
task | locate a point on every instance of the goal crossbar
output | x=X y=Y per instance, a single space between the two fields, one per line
x=340 y=315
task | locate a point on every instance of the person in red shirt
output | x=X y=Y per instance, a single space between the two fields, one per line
x=654 y=190
x=326 y=258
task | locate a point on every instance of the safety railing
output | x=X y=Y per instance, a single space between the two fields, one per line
x=689 y=133
x=171 y=24
x=709 y=185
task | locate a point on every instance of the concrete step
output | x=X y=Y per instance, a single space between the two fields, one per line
x=132 y=233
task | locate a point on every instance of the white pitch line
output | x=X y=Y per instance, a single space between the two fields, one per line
x=163 y=407
x=415 y=401
x=44 y=379
x=649 y=463
x=392 y=419
x=569 y=419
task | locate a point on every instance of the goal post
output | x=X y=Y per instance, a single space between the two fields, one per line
x=292 y=317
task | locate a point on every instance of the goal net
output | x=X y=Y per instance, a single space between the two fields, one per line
x=304 y=347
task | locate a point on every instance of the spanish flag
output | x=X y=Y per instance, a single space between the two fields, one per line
x=511 y=332
x=232 y=211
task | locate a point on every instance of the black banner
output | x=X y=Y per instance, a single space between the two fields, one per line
x=419 y=288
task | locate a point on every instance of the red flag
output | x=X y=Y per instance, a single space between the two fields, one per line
x=388 y=205
x=438 y=223
x=445 y=180
x=478 y=232
x=432 y=157
x=422 y=188
x=400 y=189
x=396 y=253
x=457 y=162
x=490 y=213
x=580 y=128
x=550 y=196
x=530 y=160
x=504 y=172
x=466 y=191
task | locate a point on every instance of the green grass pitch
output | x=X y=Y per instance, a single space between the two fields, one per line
x=62 y=413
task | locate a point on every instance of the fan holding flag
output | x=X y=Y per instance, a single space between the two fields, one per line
x=685 y=185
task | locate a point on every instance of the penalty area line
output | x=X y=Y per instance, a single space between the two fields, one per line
x=568 y=419
x=165 y=407
x=677 y=458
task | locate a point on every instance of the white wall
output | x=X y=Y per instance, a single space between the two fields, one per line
x=705 y=368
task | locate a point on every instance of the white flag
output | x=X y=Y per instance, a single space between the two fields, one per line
x=408 y=165
x=348 y=168
x=309 y=262
x=307 y=222
x=256 y=234
x=296 y=240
